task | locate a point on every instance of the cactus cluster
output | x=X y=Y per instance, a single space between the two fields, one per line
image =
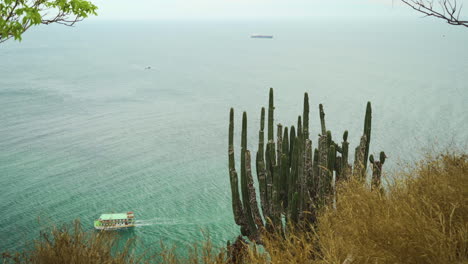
x=294 y=179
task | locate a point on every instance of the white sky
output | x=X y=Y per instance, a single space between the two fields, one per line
x=246 y=9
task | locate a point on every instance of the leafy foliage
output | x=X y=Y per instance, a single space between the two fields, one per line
x=17 y=16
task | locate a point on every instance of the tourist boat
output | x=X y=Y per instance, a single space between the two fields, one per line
x=115 y=221
x=261 y=36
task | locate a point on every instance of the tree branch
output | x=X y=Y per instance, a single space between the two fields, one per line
x=19 y=15
x=450 y=12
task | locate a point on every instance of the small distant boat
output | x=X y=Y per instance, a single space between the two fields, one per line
x=115 y=221
x=261 y=36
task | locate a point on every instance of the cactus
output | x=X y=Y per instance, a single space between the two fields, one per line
x=292 y=141
x=305 y=115
x=292 y=178
x=236 y=202
x=344 y=156
x=330 y=169
x=294 y=208
x=271 y=110
x=275 y=205
x=270 y=154
x=315 y=175
x=367 y=132
x=377 y=170
x=308 y=175
x=285 y=169
x=359 y=169
x=245 y=167
x=251 y=190
x=322 y=119
x=260 y=165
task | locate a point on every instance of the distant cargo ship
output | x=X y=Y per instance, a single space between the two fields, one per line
x=261 y=36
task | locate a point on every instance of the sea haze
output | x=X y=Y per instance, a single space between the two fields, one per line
x=85 y=129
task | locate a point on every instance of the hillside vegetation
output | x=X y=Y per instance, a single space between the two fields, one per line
x=420 y=218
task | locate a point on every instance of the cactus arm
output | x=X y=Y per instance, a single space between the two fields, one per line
x=294 y=208
x=331 y=166
x=359 y=155
x=382 y=157
x=308 y=174
x=344 y=156
x=338 y=168
x=279 y=144
x=292 y=142
x=322 y=119
x=322 y=164
x=377 y=170
x=270 y=159
x=305 y=115
x=292 y=183
x=301 y=181
x=284 y=183
x=251 y=190
x=260 y=165
x=276 y=208
x=315 y=172
x=271 y=109
x=245 y=167
x=367 y=132
x=236 y=202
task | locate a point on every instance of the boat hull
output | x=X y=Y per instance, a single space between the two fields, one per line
x=113 y=227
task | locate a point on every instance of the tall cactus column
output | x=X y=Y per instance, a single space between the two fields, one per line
x=285 y=169
x=244 y=181
x=251 y=190
x=270 y=158
x=367 y=132
x=345 y=170
x=362 y=151
x=261 y=169
x=305 y=116
x=236 y=202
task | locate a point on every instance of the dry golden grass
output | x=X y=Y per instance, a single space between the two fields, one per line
x=421 y=218
x=70 y=244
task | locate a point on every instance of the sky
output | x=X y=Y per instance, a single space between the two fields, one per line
x=248 y=9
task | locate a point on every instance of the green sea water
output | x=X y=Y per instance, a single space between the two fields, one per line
x=85 y=129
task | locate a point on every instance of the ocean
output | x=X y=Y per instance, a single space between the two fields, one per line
x=85 y=129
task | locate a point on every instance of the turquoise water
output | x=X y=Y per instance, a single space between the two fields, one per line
x=85 y=129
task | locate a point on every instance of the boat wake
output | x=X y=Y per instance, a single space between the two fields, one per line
x=159 y=221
